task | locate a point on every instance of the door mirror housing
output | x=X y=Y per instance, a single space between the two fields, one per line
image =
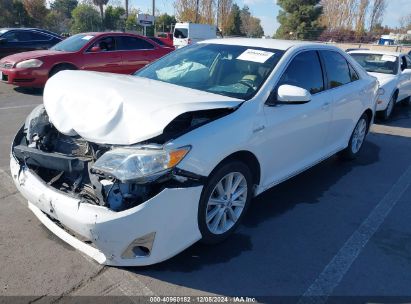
x=289 y=94
x=95 y=49
x=3 y=41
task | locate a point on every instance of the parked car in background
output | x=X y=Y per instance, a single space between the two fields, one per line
x=166 y=38
x=104 y=52
x=161 y=42
x=393 y=71
x=140 y=167
x=17 y=40
x=187 y=33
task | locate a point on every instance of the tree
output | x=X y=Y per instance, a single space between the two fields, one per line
x=65 y=7
x=186 y=11
x=250 y=25
x=85 y=19
x=165 y=22
x=338 y=14
x=234 y=22
x=100 y=4
x=131 y=22
x=223 y=12
x=57 y=22
x=113 y=18
x=13 y=13
x=360 y=17
x=299 y=19
x=405 y=22
x=36 y=9
x=377 y=13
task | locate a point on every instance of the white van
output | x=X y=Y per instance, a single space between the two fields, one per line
x=188 y=33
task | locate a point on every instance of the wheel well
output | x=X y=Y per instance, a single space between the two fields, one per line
x=72 y=66
x=396 y=92
x=248 y=159
x=368 y=112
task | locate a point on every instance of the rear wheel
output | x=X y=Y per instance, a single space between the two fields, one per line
x=357 y=138
x=224 y=201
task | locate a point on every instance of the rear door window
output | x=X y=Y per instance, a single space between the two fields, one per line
x=338 y=71
x=304 y=71
x=128 y=43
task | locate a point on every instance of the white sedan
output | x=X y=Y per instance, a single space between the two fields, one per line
x=393 y=71
x=131 y=170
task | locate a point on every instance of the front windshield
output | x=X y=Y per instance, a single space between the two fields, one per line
x=230 y=70
x=2 y=31
x=73 y=43
x=377 y=63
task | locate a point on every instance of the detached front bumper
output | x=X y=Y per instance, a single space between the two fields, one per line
x=34 y=77
x=167 y=222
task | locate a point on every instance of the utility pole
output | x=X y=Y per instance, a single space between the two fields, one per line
x=218 y=12
x=154 y=16
x=197 y=11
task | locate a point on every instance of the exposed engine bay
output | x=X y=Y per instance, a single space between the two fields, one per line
x=66 y=162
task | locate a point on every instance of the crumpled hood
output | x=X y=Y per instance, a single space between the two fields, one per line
x=119 y=109
x=383 y=78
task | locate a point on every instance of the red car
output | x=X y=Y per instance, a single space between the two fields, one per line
x=104 y=52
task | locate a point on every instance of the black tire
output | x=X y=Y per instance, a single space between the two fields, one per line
x=351 y=152
x=386 y=114
x=59 y=68
x=219 y=173
x=406 y=102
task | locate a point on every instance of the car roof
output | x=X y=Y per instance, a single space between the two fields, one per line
x=111 y=33
x=263 y=43
x=396 y=54
x=7 y=29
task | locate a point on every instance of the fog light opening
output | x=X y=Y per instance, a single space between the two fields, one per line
x=141 y=251
x=140 y=247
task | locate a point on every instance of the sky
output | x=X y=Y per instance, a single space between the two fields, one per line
x=267 y=10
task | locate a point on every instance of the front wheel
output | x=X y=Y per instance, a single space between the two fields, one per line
x=357 y=138
x=224 y=201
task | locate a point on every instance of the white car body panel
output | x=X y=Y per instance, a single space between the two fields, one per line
x=390 y=82
x=114 y=109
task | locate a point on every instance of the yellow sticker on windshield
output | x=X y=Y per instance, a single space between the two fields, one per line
x=255 y=55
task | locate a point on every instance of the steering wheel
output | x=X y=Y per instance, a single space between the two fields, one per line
x=246 y=83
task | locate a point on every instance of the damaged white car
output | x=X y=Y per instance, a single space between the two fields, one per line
x=131 y=170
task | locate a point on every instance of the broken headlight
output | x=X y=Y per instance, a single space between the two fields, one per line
x=137 y=164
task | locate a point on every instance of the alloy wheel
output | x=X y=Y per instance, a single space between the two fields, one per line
x=226 y=203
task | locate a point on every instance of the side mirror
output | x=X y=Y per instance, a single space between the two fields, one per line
x=95 y=49
x=3 y=41
x=289 y=94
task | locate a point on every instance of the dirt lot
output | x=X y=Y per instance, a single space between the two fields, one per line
x=340 y=229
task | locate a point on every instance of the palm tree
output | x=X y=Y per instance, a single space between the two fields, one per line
x=100 y=4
